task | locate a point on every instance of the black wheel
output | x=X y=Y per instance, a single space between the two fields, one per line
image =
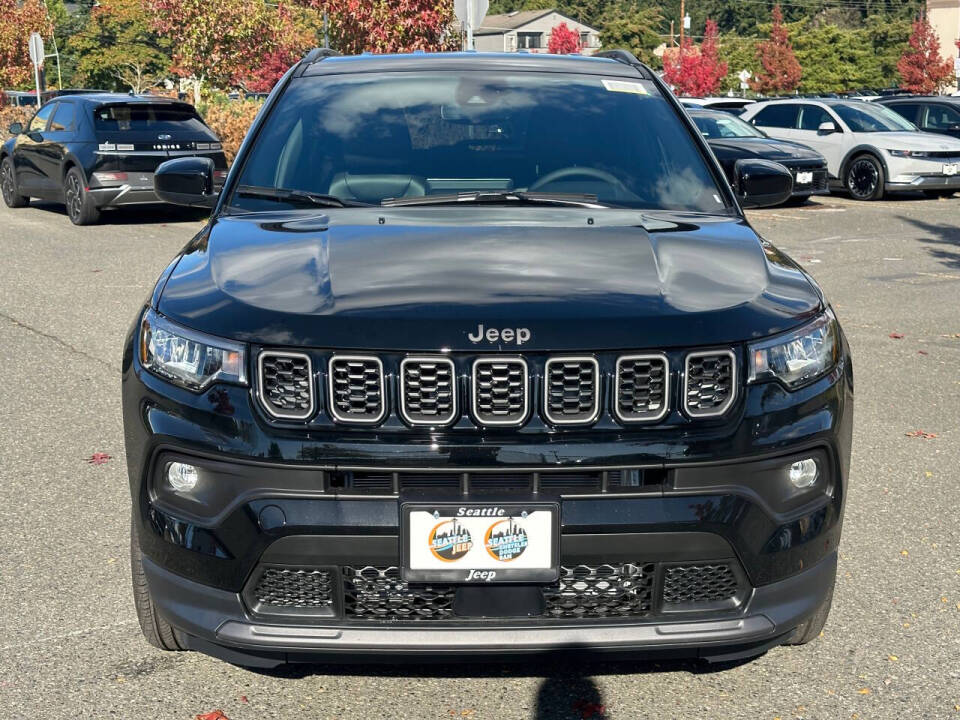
x=945 y=193
x=80 y=207
x=8 y=185
x=864 y=179
x=156 y=630
x=811 y=629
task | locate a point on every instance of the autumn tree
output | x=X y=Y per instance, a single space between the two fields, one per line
x=564 y=41
x=17 y=21
x=921 y=67
x=780 y=72
x=695 y=71
x=293 y=30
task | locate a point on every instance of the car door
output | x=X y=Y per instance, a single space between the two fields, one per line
x=940 y=118
x=829 y=144
x=54 y=148
x=778 y=120
x=908 y=111
x=26 y=152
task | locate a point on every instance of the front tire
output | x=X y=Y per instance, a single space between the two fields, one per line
x=157 y=631
x=810 y=629
x=8 y=185
x=865 y=178
x=80 y=207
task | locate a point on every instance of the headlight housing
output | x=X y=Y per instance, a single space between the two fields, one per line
x=909 y=153
x=188 y=358
x=799 y=357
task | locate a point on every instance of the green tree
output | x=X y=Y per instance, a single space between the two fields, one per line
x=633 y=29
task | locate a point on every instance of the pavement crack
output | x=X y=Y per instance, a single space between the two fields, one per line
x=59 y=341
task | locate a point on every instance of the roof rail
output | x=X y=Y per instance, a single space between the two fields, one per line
x=318 y=54
x=626 y=57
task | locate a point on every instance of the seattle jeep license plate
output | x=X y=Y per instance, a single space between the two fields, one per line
x=479 y=543
x=804 y=178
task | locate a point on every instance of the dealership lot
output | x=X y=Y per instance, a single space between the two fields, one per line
x=69 y=642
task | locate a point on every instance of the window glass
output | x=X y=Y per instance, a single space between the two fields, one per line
x=778 y=115
x=529 y=40
x=150 y=117
x=942 y=117
x=63 y=118
x=908 y=111
x=812 y=116
x=866 y=117
x=39 y=122
x=723 y=125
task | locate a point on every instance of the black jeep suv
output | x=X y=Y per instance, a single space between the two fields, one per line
x=478 y=355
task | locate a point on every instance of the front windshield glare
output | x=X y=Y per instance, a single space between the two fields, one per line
x=723 y=125
x=363 y=139
x=861 y=117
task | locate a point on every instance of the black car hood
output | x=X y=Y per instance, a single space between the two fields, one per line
x=767 y=148
x=425 y=278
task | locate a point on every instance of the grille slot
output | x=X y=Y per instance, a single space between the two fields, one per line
x=357 y=389
x=378 y=593
x=285 y=384
x=281 y=590
x=597 y=591
x=428 y=391
x=642 y=388
x=571 y=391
x=708 y=583
x=583 y=482
x=500 y=391
x=710 y=383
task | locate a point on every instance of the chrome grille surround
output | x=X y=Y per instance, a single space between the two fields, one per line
x=626 y=388
x=706 y=396
x=509 y=378
x=286 y=382
x=571 y=389
x=427 y=395
x=344 y=400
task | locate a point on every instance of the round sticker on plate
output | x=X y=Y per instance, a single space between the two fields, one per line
x=450 y=541
x=506 y=540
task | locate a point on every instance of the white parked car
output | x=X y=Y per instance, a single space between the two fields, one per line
x=869 y=148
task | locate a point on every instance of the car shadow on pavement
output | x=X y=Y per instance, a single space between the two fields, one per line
x=133 y=214
x=945 y=240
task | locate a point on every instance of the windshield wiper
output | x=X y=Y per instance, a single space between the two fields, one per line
x=300 y=196
x=497 y=196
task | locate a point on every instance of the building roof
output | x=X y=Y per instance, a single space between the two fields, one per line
x=500 y=24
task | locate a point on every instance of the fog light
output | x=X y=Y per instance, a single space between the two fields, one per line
x=183 y=477
x=804 y=473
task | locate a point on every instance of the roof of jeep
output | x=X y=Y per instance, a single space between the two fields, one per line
x=524 y=62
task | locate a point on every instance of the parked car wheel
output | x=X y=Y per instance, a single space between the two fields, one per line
x=80 y=207
x=156 y=630
x=864 y=178
x=8 y=185
x=811 y=629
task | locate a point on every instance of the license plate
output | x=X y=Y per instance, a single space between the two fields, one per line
x=950 y=169
x=804 y=178
x=479 y=542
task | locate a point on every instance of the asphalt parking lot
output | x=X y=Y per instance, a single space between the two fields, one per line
x=69 y=641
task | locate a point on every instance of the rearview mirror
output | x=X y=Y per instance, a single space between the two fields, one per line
x=15 y=128
x=186 y=181
x=827 y=127
x=761 y=183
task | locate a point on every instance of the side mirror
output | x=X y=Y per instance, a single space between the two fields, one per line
x=828 y=127
x=761 y=183
x=15 y=128
x=186 y=181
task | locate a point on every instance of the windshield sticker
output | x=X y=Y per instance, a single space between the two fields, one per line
x=624 y=86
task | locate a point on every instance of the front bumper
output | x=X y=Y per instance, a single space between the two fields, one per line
x=924 y=182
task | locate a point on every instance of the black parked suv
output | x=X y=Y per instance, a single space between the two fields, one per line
x=95 y=151
x=478 y=355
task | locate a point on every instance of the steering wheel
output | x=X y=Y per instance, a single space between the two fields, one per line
x=573 y=171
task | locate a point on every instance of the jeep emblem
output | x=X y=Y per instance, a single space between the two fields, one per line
x=507 y=335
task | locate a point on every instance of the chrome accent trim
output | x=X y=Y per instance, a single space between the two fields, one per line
x=666 y=387
x=734 y=382
x=383 y=391
x=490 y=359
x=596 y=389
x=403 y=394
x=265 y=404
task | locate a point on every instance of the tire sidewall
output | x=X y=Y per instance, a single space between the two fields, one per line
x=81 y=210
x=15 y=199
x=877 y=192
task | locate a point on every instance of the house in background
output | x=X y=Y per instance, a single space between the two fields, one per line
x=944 y=16
x=529 y=30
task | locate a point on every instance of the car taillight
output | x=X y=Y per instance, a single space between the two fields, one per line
x=110 y=176
x=220 y=175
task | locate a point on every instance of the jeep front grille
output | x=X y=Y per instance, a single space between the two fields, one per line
x=428 y=391
x=285 y=383
x=598 y=591
x=378 y=593
x=710 y=383
x=357 y=393
x=571 y=390
x=706 y=583
x=500 y=391
x=642 y=388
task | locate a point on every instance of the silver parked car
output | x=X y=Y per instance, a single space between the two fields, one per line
x=869 y=148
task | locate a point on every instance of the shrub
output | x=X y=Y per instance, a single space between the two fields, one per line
x=11 y=114
x=230 y=121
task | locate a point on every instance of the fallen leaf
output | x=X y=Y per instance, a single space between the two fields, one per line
x=896 y=336
x=921 y=434
x=98 y=458
x=943 y=599
x=861 y=691
x=215 y=715
x=928 y=473
x=906 y=625
x=892 y=658
x=243 y=699
x=589 y=709
x=922 y=352
x=905 y=553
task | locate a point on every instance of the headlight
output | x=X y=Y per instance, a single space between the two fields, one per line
x=188 y=358
x=909 y=153
x=799 y=357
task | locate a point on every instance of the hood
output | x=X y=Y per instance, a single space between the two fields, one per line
x=915 y=141
x=767 y=148
x=427 y=278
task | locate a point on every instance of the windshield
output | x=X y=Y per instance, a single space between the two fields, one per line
x=861 y=117
x=364 y=139
x=724 y=125
x=147 y=117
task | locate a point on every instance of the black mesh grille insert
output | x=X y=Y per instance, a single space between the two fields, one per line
x=500 y=391
x=642 y=388
x=571 y=390
x=597 y=591
x=698 y=584
x=378 y=593
x=292 y=588
x=710 y=383
x=286 y=386
x=428 y=391
x=356 y=389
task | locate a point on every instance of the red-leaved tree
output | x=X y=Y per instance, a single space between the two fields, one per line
x=16 y=23
x=695 y=71
x=780 y=70
x=564 y=41
x=388 y=26
x=291 y=33
x=922 y=69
